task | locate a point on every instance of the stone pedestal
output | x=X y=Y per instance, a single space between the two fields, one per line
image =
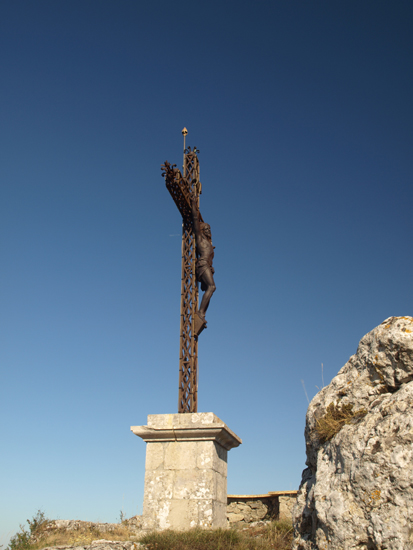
x=186 y=470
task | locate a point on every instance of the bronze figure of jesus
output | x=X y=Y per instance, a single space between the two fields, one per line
x=205 y=255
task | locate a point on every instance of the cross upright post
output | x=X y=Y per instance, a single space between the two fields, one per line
x=185 y=190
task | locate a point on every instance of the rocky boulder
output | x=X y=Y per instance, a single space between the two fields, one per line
x=357 y=491
x=101 y=545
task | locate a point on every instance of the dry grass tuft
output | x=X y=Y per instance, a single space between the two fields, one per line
x=277 y=535
x=274 y=536
x=335 y=418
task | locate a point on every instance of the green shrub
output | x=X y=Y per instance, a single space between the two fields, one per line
x=24 y=539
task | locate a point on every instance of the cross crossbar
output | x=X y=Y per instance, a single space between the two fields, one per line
x=179 y=189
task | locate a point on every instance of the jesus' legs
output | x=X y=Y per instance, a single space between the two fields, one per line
x=208 y=280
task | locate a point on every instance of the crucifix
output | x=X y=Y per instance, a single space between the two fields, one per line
x=197 y=256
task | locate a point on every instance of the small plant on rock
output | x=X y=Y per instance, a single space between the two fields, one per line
x=335 y=418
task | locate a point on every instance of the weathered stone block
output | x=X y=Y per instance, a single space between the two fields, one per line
x=211 y=456
x=221 y=489
x=235 y=518
x=219 y=515
x=195 y=484
x=154 y=456
x=159 y=482
x=180 y=455
x=286 y=507
x=183 y=514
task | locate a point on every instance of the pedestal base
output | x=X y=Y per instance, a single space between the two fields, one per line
x=186 y=470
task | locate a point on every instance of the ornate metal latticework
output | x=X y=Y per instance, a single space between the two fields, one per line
x=182 y=189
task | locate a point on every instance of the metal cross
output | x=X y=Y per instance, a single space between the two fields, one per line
x=185 y=190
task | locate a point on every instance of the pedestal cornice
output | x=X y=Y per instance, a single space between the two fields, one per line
x=187 y=427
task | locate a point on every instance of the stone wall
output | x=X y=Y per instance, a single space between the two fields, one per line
x=245 y=509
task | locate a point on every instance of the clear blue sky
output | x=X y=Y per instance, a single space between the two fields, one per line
x=302 y=112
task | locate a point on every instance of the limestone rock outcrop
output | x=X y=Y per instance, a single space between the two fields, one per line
x=357 y=490
x=101 y=545
x=133 y=524
x=88 y=535
x=78 y=528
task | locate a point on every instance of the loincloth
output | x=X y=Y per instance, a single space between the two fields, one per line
x=202 y=265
